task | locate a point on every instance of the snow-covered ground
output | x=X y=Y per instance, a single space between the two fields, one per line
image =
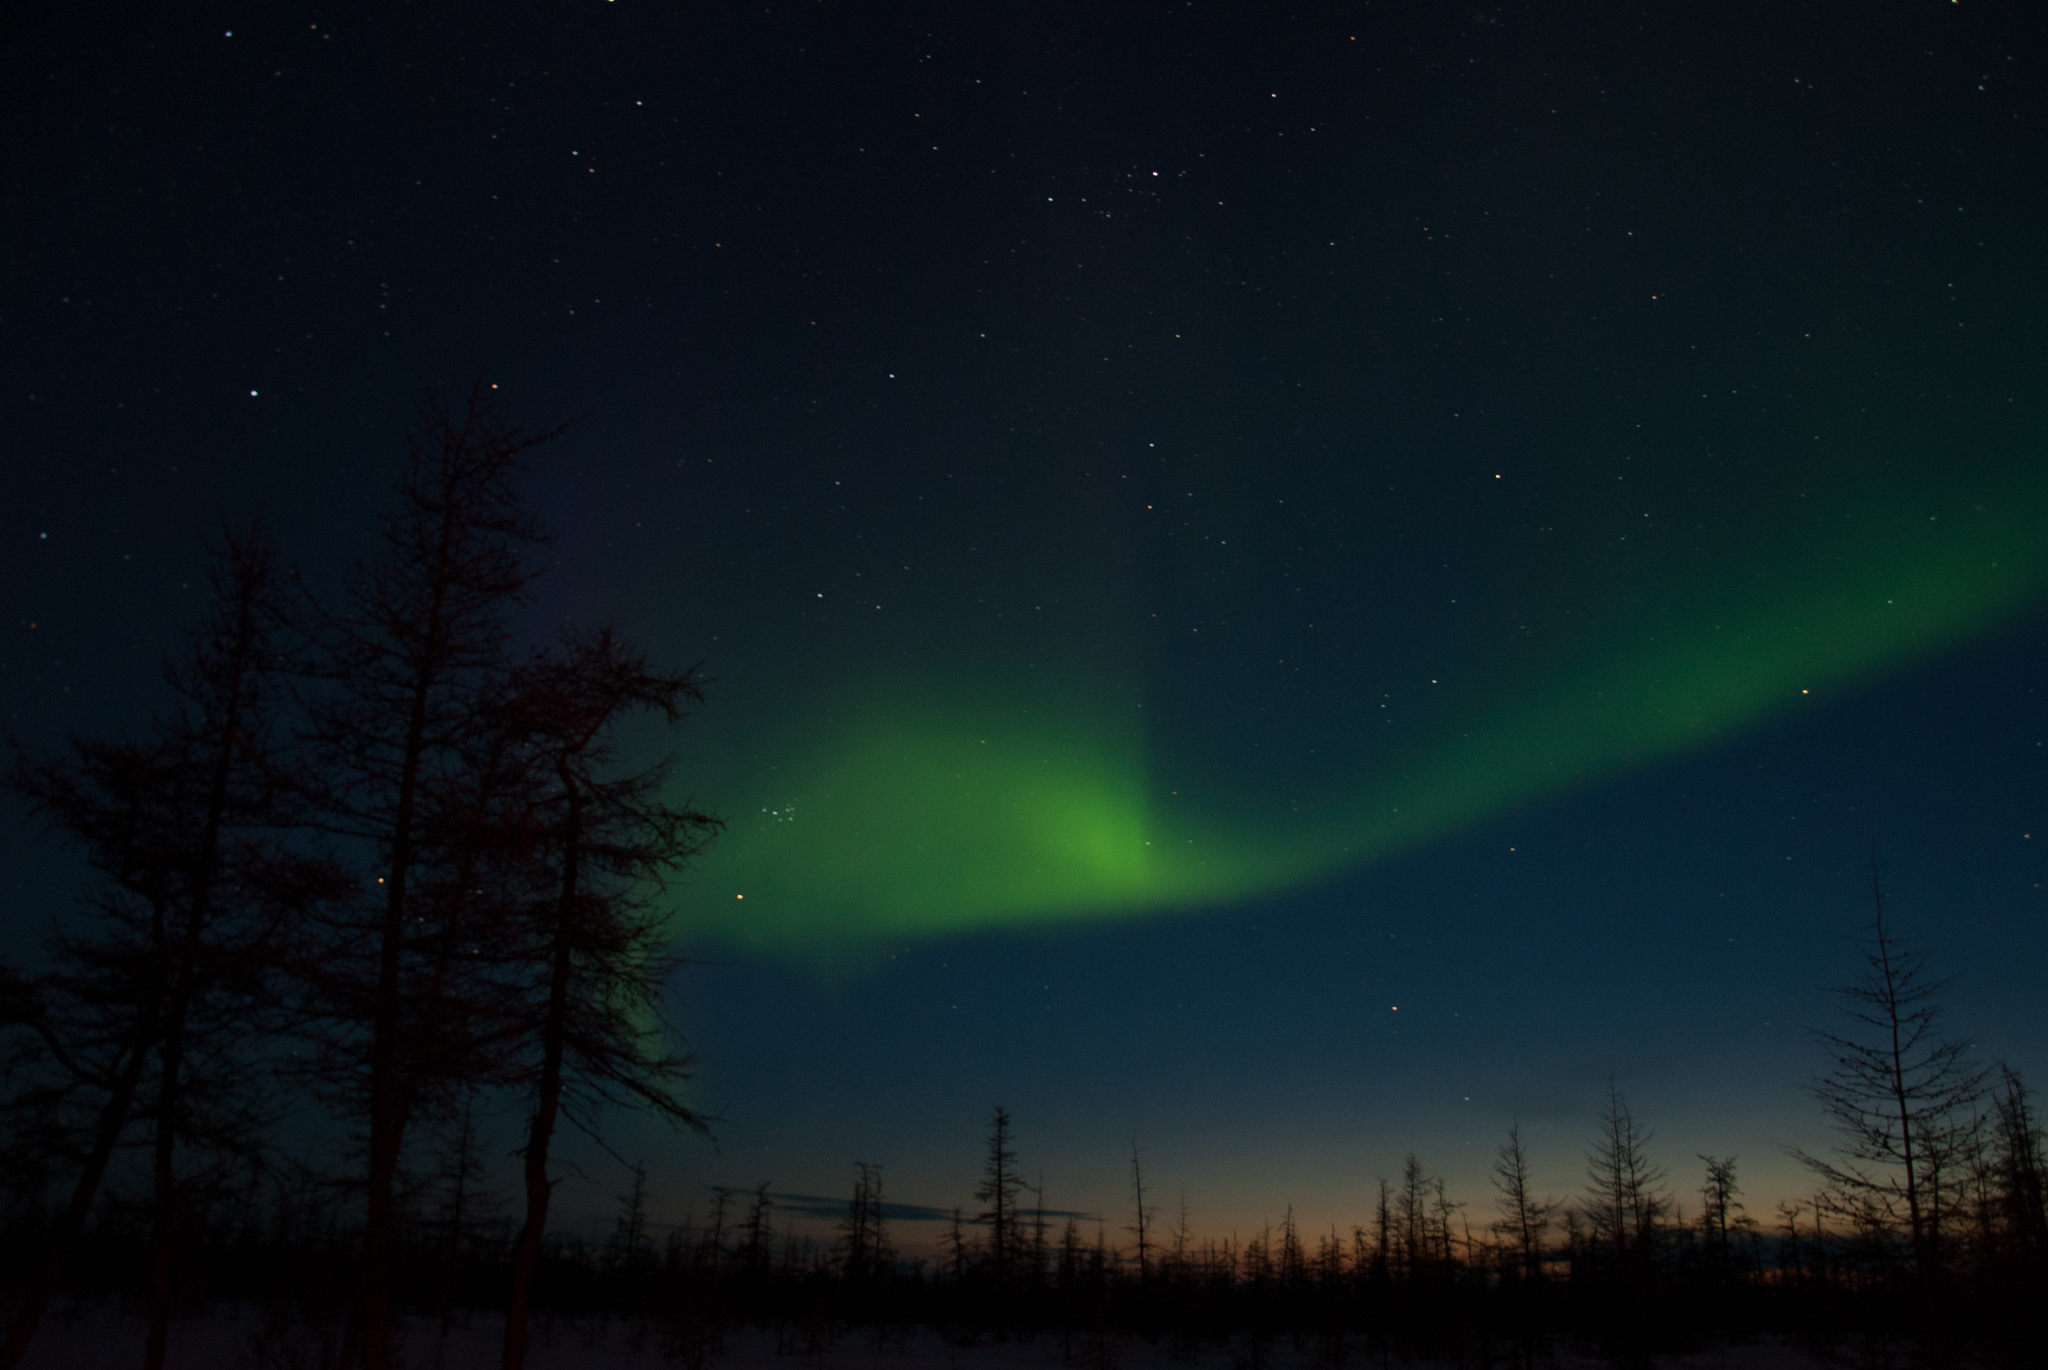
x=102 y=1337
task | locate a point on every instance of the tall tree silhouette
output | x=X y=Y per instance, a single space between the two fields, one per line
x=1721 y=1213
x=1384 y=1249
x=417 y=649
x=185 y=824
x=2021 y=1167
x=595 y=947
x=863 y=1232
x=86 y=1027
x=1897 y=1092
x=1415 y=1245
x=998 y=1189
x=1625 y=1198
x=1141 y=1217
x=1524 y=1218
x=629 y=1232
x=240 y=886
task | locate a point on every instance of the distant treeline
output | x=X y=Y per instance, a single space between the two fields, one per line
x=1618 y=1269
x=375 y=874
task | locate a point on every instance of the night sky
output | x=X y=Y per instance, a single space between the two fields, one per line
x=1291 y=584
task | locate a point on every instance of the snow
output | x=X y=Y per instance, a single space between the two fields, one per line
x=101 y=1336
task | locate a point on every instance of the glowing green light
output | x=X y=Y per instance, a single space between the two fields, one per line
x=912 y=809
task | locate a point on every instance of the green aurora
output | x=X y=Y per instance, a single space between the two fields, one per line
x=910 y=810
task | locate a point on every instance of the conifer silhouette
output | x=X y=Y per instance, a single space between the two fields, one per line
x=1900 y=1096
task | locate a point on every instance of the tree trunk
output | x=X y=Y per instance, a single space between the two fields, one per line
x=553 y=1029
x=429 y=621
x=372 y=1317
x=165 y=1218
x=1923 y=1254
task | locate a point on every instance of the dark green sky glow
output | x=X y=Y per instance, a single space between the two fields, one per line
x=919 y=809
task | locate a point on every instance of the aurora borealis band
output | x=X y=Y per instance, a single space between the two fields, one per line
x=1208 y=528
x=916 y=810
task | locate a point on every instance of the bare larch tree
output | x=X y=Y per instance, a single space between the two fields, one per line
x=1524 y=1218
x=186 y=825
x=1898 y=1093
x=596 y=943
x=1000 y=1183
x=1625 y=1200
x=418 y=648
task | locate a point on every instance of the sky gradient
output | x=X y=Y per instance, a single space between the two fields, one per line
x=1207 y=525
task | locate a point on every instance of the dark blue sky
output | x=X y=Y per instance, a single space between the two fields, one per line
x=1615 y=440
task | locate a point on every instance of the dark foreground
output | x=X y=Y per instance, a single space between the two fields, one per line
x=102 y=1336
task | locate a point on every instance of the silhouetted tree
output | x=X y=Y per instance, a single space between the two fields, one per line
x=998 y=1189
x=1035 y=1257
x=956 y=1251
x=2021 y=1168
x=1411 y=1218
x=1576 y=1255
x=714 y=1235
x=596 y=956
x=418 y=648
x=757 y=1241
x=1141 y=1217
x=1897 y=1093
x=864 y=1234
x=1721 y=1215
x=1181 y=1232
x=1625 y=1200
x=1524 y=1218
x=1791 y=1257
x=1445 y=1213
x=1292 y=1264
x=629 y=1232
x=86 y=1027
x=239 y=888
x=184 y=825
x=1383 y=1232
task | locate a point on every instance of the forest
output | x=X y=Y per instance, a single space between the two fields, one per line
x=377 y=863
